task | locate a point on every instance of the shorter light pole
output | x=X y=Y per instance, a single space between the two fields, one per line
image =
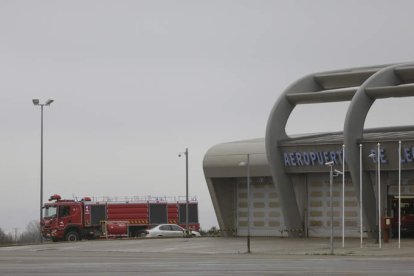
x=336 y=173
x=343 y=195
x=376 y=158
x=187 y=231
x=399 y=194
x=360 y=193
x=379 y=192
x=332 y=173
x=247 y=164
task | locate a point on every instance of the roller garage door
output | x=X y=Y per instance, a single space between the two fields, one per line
x=265 y=213
x=319 y=214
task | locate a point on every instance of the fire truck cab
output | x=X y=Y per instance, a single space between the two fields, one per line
x=63 y=219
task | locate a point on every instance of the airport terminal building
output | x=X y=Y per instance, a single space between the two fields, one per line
x=289 y=179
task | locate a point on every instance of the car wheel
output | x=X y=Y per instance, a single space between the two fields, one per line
x=72 y=236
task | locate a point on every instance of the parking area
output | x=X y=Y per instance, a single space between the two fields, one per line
x=208 y=256
x=218 y=245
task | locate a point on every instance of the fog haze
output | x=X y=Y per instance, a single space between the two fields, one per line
x=136 y=82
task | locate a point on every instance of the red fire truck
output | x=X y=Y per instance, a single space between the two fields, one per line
x=72 y=220
x=407 y=216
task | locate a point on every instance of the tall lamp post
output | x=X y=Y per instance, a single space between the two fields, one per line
x=186 y=190
x=47 y=103
x=247 y=164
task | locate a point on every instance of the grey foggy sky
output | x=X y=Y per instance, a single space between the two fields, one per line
x=135 y=82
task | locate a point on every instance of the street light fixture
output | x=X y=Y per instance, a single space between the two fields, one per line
x=247 y=164
x=49 y=101
x=37 y=103
x=186 y=191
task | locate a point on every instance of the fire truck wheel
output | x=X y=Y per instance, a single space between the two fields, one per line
x=72 y=236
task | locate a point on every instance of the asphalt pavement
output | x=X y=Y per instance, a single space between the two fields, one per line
x=209 y=256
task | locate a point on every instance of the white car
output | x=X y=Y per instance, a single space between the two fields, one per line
x=169 y=230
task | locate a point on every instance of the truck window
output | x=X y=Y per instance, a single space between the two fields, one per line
x=64 y=211
x=49 y=211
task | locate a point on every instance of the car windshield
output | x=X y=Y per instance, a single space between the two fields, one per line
x=49 y=211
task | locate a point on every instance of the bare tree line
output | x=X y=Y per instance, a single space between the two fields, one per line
x=29 y=235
